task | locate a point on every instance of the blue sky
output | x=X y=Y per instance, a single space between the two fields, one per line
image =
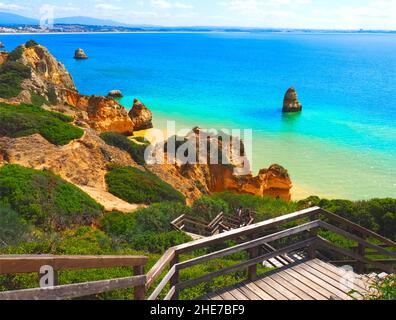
x=326 y=14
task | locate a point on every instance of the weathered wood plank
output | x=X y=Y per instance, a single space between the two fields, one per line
x=265 y=291
x=290 y=287
x=307 y=282
x=30 y=263
x=280 y=288
x=73 y=290
x=338 y=275
x=311 y=292
x=163 y=284
x=318 y=280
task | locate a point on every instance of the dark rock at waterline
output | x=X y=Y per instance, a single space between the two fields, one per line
x=80 y=54
x=2 y=45
x=290 y=102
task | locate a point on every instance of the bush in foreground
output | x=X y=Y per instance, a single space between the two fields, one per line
x=136 y=186
x=25 y=120
x=45 y=200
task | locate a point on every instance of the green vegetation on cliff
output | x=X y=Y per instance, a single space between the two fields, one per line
x=25 y=120
x=136 y=186
x=45 y=200
x=120 y=141
x=12 y=75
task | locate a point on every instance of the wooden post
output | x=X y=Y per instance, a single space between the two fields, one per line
x=360 y=266
x=175 y=279
x=313 y=233
x=139 y=291
x=253 y=253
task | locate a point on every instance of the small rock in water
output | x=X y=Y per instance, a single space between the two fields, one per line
x=2 y=45
x=80 y=54
x=115 y=94
x=290 y=102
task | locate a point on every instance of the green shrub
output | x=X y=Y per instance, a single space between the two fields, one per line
x=45 y=200
x=208 y=208
x=385 y=289
x=159 y=242
x=38 y=100
x=52 y=96
x=134 y=149
x=31 y=43
x=378 y=215
x=16 y=54
x=12 y=75
x=136 y=186
x=13 y=229
x=155 y=219
x=265 y=208
x=24 y=120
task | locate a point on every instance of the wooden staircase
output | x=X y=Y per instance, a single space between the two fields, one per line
x=303 y=263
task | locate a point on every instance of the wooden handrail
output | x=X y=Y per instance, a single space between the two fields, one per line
x=74 y=290
x=32 y=263
x=12 y=264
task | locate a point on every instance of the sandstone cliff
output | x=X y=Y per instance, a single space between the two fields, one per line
x=141 y=116
x=50 y=79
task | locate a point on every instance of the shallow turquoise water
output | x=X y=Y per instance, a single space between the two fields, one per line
x=342 y=145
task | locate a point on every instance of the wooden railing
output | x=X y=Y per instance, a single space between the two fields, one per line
x=220 y=224
x=263 y=241
x=32 y=264
x=306 y=227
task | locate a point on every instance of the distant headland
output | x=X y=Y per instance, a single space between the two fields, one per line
x=12 y=23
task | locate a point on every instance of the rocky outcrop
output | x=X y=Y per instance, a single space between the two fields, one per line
x=141 y=116
x=104 y=114
x=3 y=57
x=115 y=94
x=79 y=54
x=2 y=45
x=290 y=102
x=231 y=173
x=49 y=78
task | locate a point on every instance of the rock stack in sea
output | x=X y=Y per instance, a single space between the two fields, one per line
x=141 y=116
x=2 y=45
x=290 y=102
x=115 y=94
x=80 y=54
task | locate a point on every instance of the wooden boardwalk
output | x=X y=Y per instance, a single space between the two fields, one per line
x=309 y=280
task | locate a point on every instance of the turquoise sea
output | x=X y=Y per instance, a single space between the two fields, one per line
x=343 y=145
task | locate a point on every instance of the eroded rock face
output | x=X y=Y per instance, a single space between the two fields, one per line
x=290 y=102
x=49 y=77
x=79 y=54
x=82 y=162
x=141 y=116
x=233 y=174
x=104 y=114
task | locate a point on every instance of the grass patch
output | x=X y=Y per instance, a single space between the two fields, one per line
x=12 y=75
x=45 y=200
x=134 y=149
x=25 y=120
x=136 y=186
